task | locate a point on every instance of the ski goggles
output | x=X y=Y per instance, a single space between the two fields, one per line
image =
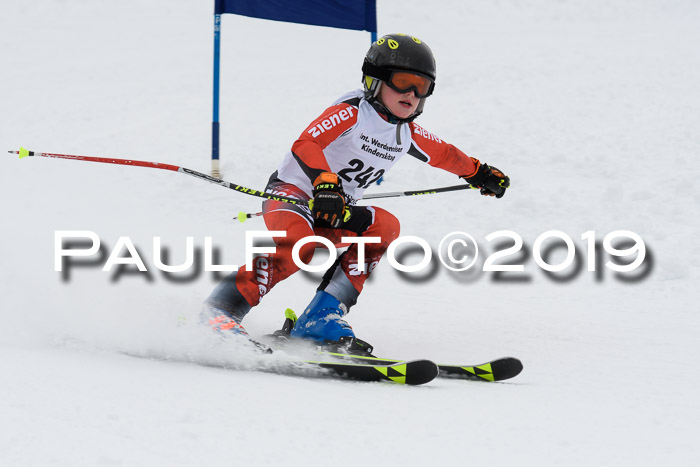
x=405 y=81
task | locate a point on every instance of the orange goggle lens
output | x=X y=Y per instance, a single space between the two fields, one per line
x=403 y=81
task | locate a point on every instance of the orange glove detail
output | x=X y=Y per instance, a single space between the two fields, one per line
x=328 y=206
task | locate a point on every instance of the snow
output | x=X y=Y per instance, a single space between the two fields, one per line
x=593 y=110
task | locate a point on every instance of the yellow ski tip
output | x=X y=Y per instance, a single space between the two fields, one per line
x=23 y=152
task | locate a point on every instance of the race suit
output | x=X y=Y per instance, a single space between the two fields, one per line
x=355 y=140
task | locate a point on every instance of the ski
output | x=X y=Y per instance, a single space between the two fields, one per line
x=494 y=370
x=352 y=359
x=357 y=350
x=412 y=373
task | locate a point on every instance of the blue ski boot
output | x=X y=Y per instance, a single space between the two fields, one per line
x=322 y=320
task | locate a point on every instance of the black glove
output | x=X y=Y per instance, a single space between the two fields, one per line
x=491 y=180
x=328 y=205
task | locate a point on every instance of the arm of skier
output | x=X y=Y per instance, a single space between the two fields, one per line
x=438 y=153
x=308 y=148
x=328 y=204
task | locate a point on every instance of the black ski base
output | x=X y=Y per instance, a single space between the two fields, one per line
x=412 y=373
x=369 y=368
x=495 y=370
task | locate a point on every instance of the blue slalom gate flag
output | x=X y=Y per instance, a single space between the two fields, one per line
x=359 y=15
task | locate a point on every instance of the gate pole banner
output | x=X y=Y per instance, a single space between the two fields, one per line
x=359 y=15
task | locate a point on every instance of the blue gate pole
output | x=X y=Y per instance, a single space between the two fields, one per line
x=373 y=38
x=215 y=120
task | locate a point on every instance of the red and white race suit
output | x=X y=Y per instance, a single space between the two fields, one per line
x=351 y=138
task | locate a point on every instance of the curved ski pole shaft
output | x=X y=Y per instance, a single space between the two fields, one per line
x=242 y=216
x=158 y=165
x=430 y=191
x=239 y=188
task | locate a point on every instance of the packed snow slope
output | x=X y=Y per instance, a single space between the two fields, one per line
x=591 y=107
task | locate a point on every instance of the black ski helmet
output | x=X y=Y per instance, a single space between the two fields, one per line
x=397 y=52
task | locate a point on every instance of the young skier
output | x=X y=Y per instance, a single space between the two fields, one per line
x=336 y=158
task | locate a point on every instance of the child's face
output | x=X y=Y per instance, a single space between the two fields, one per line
x=401 y=104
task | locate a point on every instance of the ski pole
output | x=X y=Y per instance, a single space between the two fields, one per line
x=430 y=191
x=242 y=216
x=158 y=165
